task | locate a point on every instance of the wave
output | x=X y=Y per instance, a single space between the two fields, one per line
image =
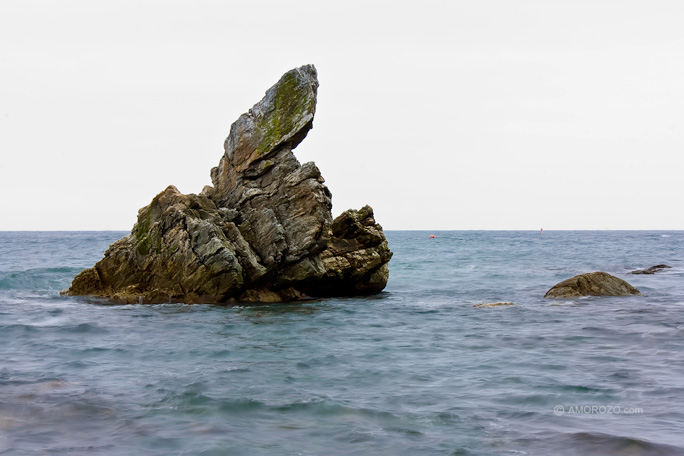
x=38 y=279
x=55 y=324
x=192 y=400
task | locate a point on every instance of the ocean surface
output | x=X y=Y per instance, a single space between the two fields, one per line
x=415 y=370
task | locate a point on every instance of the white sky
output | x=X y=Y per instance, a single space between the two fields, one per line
x=440 y=114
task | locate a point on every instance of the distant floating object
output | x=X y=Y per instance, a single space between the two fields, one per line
x=432 y=236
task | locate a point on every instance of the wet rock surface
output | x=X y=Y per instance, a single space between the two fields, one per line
x=652 y=269
x=488 y=305
x=592 y=284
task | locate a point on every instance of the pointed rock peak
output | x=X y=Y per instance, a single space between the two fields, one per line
x=284 y=116
x=259 y=146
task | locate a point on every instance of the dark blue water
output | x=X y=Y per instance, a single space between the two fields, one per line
x=416 y=370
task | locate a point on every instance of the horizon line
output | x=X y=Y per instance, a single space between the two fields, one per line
x=384 y=229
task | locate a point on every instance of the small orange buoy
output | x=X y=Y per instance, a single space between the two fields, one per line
x=432 y=236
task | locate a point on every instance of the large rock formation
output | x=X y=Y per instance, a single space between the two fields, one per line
x=592 y=284
x=264 y=231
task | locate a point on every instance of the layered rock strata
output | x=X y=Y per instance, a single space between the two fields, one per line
x=263 y=233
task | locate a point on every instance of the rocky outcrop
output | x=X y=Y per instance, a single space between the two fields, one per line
x=652 y=269
x=357 y=257
x=264 y=232
x=592 y=284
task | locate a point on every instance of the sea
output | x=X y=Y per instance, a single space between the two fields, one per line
x=415 y=370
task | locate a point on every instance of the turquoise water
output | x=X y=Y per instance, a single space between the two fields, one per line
x=415 y=370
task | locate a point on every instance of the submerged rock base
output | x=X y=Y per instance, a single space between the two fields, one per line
x=263 y=233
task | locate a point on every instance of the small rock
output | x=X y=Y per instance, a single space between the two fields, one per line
x=494 y=304
x=652 y=269
x=592 y=284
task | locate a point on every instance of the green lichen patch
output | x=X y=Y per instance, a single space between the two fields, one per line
x=142 y=227
x=147 y=235
x=292 y=101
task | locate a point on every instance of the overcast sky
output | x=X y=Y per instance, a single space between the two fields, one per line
x=439 y=114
